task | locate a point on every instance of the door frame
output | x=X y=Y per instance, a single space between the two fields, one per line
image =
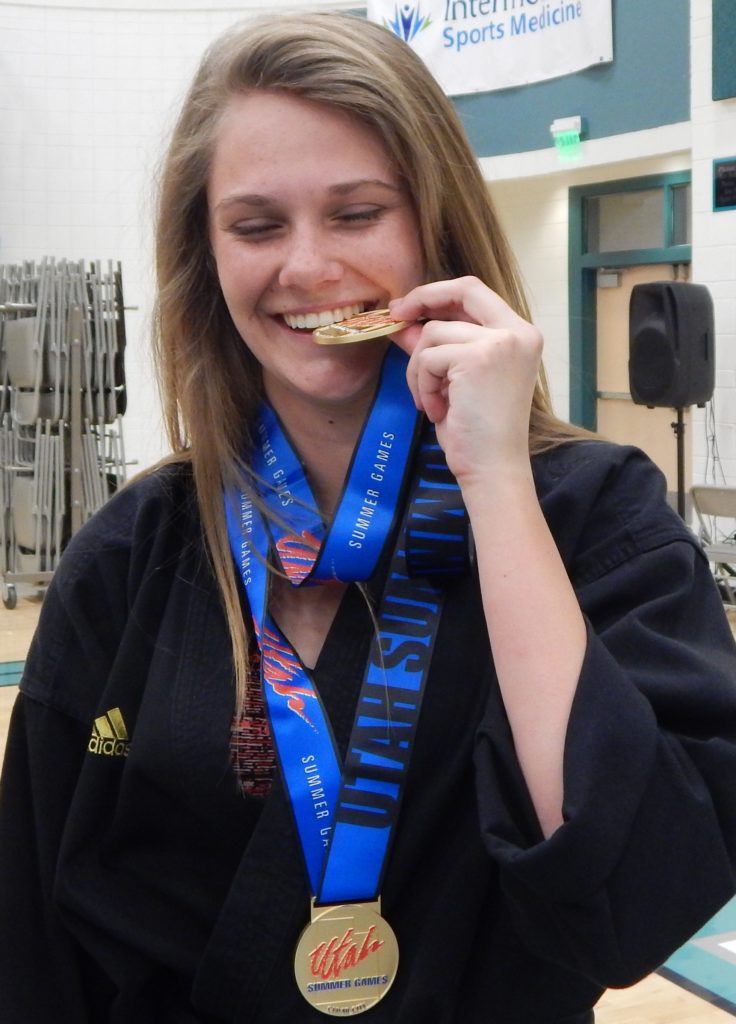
x=583 y=268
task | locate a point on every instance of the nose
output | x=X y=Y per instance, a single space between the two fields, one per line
x=308 y=259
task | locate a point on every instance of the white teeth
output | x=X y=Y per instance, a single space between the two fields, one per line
x=309 y=321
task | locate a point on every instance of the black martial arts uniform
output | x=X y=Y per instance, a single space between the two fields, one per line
x=140 y=886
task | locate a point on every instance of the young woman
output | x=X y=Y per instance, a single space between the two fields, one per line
x=387 y=693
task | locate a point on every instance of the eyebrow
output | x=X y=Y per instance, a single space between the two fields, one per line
x=342 y=189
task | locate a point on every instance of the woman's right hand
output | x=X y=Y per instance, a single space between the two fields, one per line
x=473 y=367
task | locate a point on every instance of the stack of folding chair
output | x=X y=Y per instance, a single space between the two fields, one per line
x=62 y=399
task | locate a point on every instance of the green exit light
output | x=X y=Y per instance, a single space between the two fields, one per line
x=566 y=133
x=568 y=145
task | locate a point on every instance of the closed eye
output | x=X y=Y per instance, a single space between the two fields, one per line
x=255 y=228
x=365 y=215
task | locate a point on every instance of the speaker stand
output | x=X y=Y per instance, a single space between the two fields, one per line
x=679 y=429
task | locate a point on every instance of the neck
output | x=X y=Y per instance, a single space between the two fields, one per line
x=324 y=440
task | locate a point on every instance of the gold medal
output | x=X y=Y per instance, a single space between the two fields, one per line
x=376 y=323
x=346 y=958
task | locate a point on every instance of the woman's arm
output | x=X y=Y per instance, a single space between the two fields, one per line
x=473 y=369
x=536 y=630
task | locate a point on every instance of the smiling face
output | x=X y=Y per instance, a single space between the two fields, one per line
x=309 y=223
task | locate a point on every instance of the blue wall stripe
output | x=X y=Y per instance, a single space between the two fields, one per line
x=724 y=49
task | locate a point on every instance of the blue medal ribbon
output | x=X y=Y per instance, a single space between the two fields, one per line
x=350 y=550
x=345 y=816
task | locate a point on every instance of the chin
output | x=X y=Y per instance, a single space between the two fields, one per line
x=337 y=390
x=339 y=377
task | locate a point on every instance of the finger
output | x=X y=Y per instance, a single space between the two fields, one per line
x=408 y=338
x=431 y=384
x=463 y=298
x=436 y=334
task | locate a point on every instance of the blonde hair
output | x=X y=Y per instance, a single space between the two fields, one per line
x=210 y=382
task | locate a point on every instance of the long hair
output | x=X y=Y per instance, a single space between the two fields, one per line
x=210 y=383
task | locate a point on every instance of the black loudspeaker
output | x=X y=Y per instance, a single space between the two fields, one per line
x=671 y=344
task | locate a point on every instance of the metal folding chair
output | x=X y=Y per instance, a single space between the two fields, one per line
x=715 y=508
x=62 y=397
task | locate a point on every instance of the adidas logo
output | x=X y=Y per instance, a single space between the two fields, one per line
x=109 y=735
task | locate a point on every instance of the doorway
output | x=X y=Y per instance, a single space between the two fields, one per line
x=623 y=233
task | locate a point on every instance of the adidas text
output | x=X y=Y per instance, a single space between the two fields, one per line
x=113 y=748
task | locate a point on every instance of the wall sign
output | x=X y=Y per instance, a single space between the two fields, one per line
x=724 y=184
x=481 y=45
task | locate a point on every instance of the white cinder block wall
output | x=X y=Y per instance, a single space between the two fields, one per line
x=714 y=246
x=533 y=213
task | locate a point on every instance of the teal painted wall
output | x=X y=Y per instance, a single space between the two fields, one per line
x=724 y=49
x=647 y=85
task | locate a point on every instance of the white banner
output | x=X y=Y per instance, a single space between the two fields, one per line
x=482 y=45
